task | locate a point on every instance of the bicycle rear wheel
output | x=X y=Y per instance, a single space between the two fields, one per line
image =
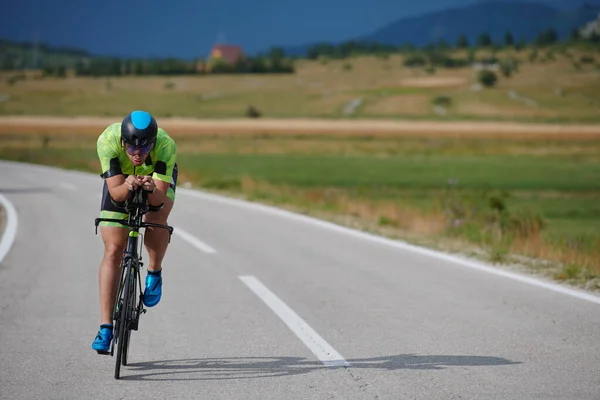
x=133 y=308
x=123 y=325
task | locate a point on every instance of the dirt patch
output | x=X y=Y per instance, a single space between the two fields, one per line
x=409 y=104
x=434 y=81
x=377 y=128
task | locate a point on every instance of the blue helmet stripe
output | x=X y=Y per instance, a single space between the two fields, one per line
x=140 y=119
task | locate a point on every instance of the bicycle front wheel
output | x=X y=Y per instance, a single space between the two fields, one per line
x=132 y=308
x=124 y=318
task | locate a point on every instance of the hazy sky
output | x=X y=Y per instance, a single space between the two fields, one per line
x=188 y=28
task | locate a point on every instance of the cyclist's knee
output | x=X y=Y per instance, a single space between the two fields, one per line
x=158 y=217
x=114 y=250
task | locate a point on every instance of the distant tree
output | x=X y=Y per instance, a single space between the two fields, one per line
x=575 y=35
x=240 y=65
x=138 y=68
x=484 y=40
x=321 y=49
x=509 y=40
x=61 y=71
x=547 y=37
x=462 y=42
x=115 y=67
x=126 y=67
x=7 y=64
x=521 y=44
x=258 y=65
x=277 y=53
x=442 y=44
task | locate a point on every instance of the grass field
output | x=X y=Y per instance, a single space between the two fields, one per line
x=556 y=86
x=510 y=174
x=504 y=199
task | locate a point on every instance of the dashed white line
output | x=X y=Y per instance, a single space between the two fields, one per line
x=320 y=348
x=10 y=230
x=194 y=241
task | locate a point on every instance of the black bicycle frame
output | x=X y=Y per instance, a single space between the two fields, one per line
x=136 y=206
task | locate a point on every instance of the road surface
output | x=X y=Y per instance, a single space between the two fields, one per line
x=259 y=304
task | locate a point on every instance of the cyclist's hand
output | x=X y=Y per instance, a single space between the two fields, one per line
x=147 y=183
x=132 y=182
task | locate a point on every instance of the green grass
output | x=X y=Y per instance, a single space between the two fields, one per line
x=402 y=184
x=564 y=191
x=412 y=171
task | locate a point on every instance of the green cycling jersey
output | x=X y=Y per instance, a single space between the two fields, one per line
x=114 y=160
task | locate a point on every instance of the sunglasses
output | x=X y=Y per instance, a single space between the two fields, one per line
x=131 y=149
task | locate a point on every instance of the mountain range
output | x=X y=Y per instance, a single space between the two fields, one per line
x=525 y=20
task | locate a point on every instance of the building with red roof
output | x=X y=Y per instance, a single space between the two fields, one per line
x=229 y=53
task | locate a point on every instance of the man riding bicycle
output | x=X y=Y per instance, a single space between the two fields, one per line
x=133 y=153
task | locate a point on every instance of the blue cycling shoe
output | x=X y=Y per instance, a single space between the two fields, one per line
x=153 y=290
x=103 y=338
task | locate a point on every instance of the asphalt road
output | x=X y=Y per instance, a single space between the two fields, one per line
x=261 y=305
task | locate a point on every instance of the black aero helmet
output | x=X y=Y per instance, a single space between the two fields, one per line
x=139 y=128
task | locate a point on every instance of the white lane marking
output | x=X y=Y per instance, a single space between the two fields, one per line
x=580 y=294
x=10 y=230
x=320 y=348
x=194 y=241
x=68 y=186
x=457 y=260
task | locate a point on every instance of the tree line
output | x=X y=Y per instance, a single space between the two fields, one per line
x=57 y=62
x=484 y=40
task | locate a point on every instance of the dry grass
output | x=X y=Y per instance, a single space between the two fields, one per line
x=322 y=89
x=404 y=217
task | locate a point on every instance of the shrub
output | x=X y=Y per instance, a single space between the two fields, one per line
x=587 y=59
x=487 y=78
x=443 y=101
x=252 y=112
x=415 y=60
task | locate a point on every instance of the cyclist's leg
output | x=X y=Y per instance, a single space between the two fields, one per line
x=114 y=237
x=156 y=240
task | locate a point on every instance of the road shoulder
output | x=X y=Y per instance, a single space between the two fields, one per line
x=2 y=221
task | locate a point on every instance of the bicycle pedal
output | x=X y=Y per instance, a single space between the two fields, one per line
x=104 y=353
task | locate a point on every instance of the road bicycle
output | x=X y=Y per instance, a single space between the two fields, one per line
x=128 y=304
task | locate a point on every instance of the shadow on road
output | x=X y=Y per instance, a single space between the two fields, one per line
x=256 y=367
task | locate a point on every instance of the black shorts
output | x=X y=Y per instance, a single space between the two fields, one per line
x=110 y=210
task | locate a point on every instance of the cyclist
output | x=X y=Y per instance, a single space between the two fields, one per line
x=133 y=153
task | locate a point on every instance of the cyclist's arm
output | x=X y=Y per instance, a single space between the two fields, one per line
x=163 y=174
x=160 y=194
x=108 y=154
x=118 y=188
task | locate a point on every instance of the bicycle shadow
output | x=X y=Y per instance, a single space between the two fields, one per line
x=265 y=367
